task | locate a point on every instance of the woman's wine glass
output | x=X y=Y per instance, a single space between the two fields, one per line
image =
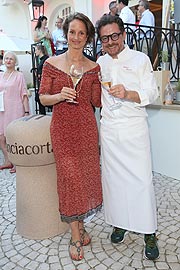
x=106 y=83
x=76 y=73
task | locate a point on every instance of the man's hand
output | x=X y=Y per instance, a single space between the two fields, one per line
x=118 y=91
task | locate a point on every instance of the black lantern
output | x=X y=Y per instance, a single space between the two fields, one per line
x=36 y=9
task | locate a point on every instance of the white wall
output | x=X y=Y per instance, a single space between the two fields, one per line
x=165 y=141
x=165 y=13
x=99 y=8
x=15 y=21
x=52 y=9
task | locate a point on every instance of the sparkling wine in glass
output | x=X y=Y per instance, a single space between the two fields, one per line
x=76 y=73
x=106 y=83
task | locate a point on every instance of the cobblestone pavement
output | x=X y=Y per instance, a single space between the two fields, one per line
x=20 y=253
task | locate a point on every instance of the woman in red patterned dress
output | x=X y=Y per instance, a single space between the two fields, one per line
x=74 y=132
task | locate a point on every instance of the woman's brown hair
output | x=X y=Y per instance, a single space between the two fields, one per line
x=80 y=16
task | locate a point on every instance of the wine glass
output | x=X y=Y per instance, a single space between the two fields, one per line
x=106 y=83
x=76 y=73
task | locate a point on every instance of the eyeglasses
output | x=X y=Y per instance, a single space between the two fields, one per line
x=114 y=37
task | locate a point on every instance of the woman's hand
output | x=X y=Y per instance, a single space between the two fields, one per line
x=48 y=35
x=67 y=93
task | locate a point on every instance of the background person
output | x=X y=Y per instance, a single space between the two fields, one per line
x=41 y=53
x=128 y=192
x=126 y=13
x=127 y=16
x=147 y=19
x=43 y=35
x=113 y=9
x=138 y=18
x=74 y=131
x=2 y=67
x=59 y=40
x=13 y=101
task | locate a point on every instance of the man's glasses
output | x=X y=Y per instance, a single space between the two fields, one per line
x=114 y=37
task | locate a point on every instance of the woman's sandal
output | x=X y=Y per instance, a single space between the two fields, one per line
x=13 y=170
x=78 y=246
x=85 y=238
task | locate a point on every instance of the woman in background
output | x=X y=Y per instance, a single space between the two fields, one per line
x=41 y=53
x=74 y=132
x=13 y=101
x=43 y=35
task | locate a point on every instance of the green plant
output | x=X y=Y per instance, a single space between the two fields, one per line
x=177 y=86
x=29 y=85
x=164 y=56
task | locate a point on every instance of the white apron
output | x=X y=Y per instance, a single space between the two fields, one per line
x=128 y=192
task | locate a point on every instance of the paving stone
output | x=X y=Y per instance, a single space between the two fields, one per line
x=174 y=266
x=19 y=253
x=82 y=266
x=101 y=267
x=9 y=266
x=117 y=266
x=3 y=261
x=44 y=266
x=137 y=264
x=55 y=266
x=162 y=265
x=108 y=262
x=53 y=259
x=172 y=259
x=32 y=265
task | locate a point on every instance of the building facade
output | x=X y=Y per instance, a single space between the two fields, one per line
x=15 y=18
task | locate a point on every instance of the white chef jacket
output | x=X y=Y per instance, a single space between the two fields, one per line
x=127 y=16
x=128 y=192
x=147 y=18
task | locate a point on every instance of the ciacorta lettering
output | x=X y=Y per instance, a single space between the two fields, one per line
x=18 y=149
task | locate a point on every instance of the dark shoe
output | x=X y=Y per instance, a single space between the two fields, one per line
x=117 y=235
x=151 y=249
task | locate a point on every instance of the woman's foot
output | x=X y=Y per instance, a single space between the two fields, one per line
x=75 y=250
x=85 y=238
x=6 y=166
x=13 y=170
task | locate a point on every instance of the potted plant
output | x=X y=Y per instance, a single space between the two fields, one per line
x=30 y=88
x=177 y=89
x=164 y=60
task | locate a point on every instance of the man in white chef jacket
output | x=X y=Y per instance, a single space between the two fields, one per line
x=129 y=199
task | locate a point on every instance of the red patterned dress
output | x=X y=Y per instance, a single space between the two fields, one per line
x=74 y=136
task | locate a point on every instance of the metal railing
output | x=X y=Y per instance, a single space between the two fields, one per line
x=152 y=40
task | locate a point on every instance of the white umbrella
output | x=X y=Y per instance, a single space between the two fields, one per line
x=10 y=43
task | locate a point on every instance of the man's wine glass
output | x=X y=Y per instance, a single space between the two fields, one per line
x=76 y=73
x=106 y=83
